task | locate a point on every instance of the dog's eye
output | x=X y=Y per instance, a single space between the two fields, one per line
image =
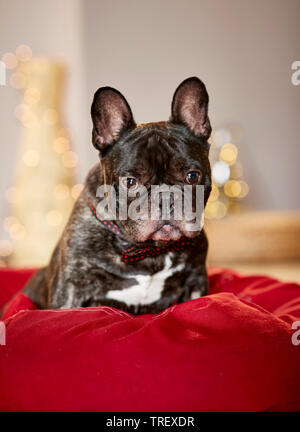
x=130 y=182
x=193 y=177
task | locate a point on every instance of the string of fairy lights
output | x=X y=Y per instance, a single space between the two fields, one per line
x=228 y=185
x=14 y=230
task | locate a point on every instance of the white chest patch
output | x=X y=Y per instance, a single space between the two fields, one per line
x=148 y=289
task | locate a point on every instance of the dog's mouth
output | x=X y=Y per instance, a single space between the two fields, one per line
x=166 y=233
x=161 y=233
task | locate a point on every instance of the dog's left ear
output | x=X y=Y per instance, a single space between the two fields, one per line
x=111 y=117
x=190 y=107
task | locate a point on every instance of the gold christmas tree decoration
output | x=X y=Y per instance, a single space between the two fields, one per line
x=41 y=196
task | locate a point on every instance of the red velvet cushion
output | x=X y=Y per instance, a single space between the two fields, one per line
x=229 y=351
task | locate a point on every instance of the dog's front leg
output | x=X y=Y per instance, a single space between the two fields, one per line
x=65 y=296
x=196 y=285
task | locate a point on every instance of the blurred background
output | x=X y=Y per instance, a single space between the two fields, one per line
x=55 y=54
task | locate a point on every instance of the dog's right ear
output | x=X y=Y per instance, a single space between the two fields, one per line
x=111 y=117
x=190 y=107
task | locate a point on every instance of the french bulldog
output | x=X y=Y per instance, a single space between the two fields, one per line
x=142 y=265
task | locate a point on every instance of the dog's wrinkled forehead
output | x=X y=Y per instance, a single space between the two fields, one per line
x=158 y=152
x=152 y=156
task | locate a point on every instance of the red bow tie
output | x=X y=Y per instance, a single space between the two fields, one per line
x=134 y=254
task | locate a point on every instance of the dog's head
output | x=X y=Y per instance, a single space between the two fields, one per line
x=134 y=158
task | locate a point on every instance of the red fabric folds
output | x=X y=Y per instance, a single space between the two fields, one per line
x=229 y=351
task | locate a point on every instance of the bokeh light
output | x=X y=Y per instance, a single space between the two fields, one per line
x=31 y=158
x=232 y=188
x=24 y=52
x=220 y=173
x=215 y=210
x=10 y=60
x=32 y=96
x=61 y=144
x=17 y=231
x=18 y=80
x=28 y=119
x=228 y=153
x=244 y=189
x=221 y=137
x=236 y=189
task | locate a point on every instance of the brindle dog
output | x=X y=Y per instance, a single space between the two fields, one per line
x=86 y=268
